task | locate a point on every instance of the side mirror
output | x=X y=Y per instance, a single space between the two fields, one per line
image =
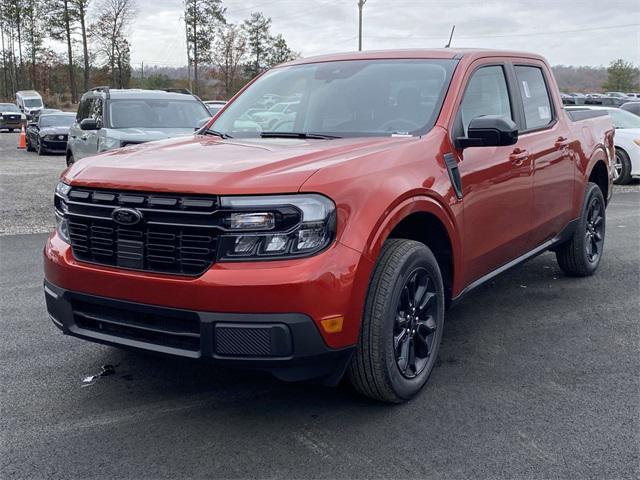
x=89 y=124
x=489 y=131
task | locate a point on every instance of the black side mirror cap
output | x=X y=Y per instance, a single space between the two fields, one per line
x=489 y=131
x=89 y=124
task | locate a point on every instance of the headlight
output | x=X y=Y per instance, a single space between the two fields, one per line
x=275 y=226
x=637 y=141
x=60 y=205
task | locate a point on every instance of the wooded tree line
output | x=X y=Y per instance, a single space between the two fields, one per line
x=96 y=37
x=94 y=33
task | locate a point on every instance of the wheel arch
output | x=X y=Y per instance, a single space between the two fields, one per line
x=599 y=174
x=425 y=220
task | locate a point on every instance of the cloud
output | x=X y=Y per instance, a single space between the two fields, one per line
x=589 y=32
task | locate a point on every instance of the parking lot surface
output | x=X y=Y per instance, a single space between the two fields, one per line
x=537 y=378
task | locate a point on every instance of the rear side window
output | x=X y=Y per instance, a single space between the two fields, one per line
x=535 y=97
x=486 y=94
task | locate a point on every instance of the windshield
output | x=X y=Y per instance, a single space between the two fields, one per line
x=8 y=107
x=624 y=119
x=156 y=113
x=343 y=98
x=56 y=120
x=32 y=102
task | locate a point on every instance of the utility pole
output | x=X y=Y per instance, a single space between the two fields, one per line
x=450 y=37
x=360 y=7
x=142 y=71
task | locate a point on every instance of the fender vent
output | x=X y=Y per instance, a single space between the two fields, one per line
x=454 y=173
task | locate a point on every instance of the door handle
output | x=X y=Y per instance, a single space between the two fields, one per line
x=518 y=156
x=561 y=141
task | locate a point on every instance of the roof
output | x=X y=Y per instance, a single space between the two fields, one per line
x=433 y=53
x=115 y=93
x=28 y=93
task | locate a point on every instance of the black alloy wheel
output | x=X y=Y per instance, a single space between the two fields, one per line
x=594 y=229
x=415 y=325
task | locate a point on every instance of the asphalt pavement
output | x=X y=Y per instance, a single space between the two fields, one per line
x=538 y=377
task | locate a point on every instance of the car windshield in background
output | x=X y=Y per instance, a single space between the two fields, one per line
x=623 y=119
x=8 y=107
x=32 y=102
x=156 y=113
x=342 y=99
x=56 y=120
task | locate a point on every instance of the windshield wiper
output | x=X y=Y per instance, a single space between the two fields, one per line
x=320 y=136
x=216 y=133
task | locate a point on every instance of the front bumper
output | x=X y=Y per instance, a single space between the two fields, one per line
x=54 y=146
x=287 y=345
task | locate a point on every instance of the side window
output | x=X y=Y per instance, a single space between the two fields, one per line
x=535 y=97
x=84 y=109
x=96 y=110
x=486 y=94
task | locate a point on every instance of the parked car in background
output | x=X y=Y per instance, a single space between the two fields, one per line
x=49 y=133
x=109 y=118
x=633 y=107
x=214 y=106
x=633 y=95
x=268 y=119
x=407 y=179
x=29 y=102
x=627 y=142
x=11 y=117
x=44 y=111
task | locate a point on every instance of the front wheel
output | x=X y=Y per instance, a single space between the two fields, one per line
x=402 y=324
x=39 y=147
x=70 y=159
x=581 y=255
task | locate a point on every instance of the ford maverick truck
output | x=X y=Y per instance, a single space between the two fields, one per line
x=330 y=240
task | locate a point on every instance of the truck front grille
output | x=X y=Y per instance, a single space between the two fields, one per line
x=176 y=234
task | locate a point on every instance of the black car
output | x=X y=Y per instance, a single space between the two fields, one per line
x=49 y=132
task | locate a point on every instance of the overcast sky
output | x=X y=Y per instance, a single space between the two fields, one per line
x=579 y=32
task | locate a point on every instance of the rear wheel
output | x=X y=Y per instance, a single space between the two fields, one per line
x=581 y=255
x=621 y=168
x=402 y=324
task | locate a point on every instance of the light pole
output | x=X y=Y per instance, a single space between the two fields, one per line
x=360 y=6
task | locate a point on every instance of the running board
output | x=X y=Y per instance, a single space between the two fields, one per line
x=563 y=236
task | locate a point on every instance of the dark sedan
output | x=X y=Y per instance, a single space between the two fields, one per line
x=50 y=132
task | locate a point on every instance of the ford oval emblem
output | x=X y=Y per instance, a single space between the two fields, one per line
x=126 y=216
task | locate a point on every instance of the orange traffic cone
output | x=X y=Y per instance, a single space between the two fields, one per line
x=22 y=143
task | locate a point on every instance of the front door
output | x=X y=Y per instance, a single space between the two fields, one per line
x=497 y=181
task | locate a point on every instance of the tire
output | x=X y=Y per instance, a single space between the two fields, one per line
x=29 y=146
x=40 y=150
x=376 y=369
x=581 y=255
x=622 y=168
x=70 y=159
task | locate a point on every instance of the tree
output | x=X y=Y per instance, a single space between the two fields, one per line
x=60 y=18
x=257 y=29
x=80 y=7
x=202 y=18
x=109 y=33
x=622 y=76
x=34 y=35
x=229 y=50
x=280 y=51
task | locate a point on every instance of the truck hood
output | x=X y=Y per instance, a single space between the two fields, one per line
x=210 y=165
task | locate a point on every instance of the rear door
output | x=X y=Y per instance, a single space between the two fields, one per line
x=547 y=139
x=496 y=181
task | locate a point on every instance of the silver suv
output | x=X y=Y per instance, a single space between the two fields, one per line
x=110 y=118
